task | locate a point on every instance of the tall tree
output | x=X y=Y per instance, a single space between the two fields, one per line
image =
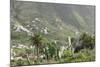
x=39 y=41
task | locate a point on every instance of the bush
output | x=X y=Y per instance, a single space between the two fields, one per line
x=87 y=40
x=67 y=56
x=84 y=55
x=67 y=53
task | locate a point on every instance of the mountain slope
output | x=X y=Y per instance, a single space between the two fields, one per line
x=54 y=20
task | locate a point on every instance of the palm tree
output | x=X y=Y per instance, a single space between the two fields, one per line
x=38 y=42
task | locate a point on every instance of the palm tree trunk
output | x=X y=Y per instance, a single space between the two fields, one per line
x=37 y=53
x=28 y=59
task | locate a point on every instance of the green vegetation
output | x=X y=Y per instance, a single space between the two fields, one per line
x=45 y=33
x=47 y=51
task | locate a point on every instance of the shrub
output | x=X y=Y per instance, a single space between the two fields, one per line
x=87 y=40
